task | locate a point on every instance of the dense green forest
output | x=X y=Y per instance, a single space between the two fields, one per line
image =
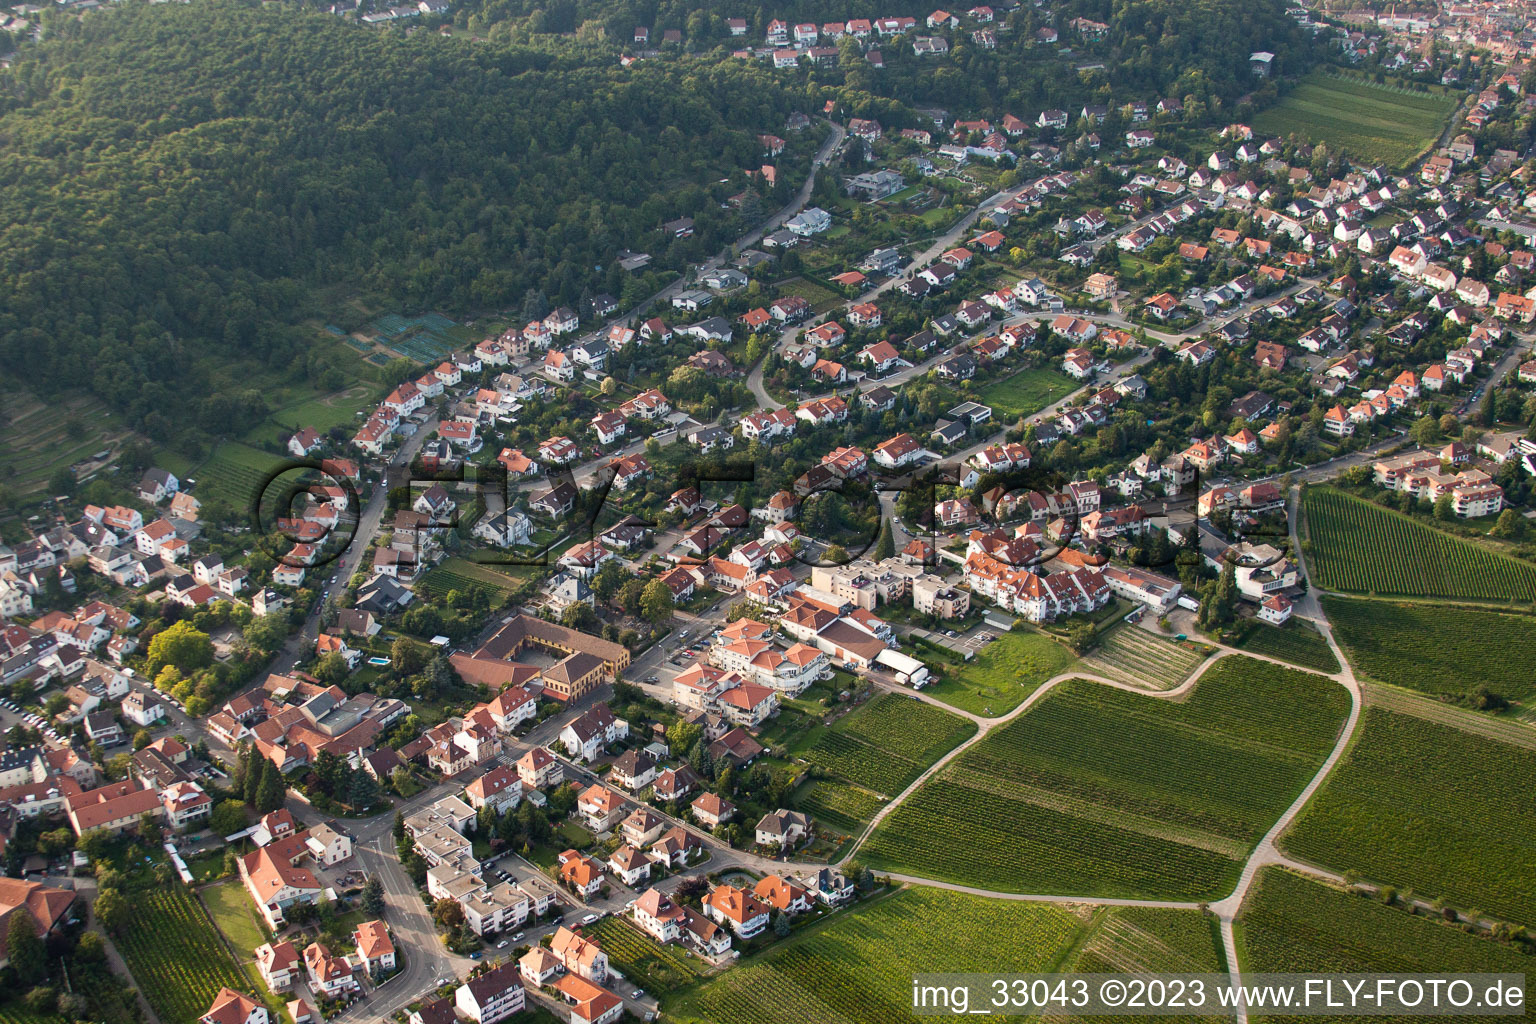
x=179 y=181
x=1151 y=48
x=173 y=177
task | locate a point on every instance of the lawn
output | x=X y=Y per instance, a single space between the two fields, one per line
x=178 y=959
x=887 y=743
x=1430 y=648
x=1425 y=806
x=644 y=962
x=230 y=908
x=857 y=967
x=1376 y=123
x=1138 y=657
x=1003 y=673
x=1026 y=392
x=323 y=412
x=1355 y=546
x=1297 y=641
x=1105 y=792
x=1294 y=924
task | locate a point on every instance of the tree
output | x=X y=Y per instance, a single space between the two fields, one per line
x=373 y=897
x=885 y=547
x=250 y=783
x=28 y=957
x=1445 y=507
x=579 y=616
x=1426 y=431
x=448 y=915
x=407 y=656
x=332 y=668
x=683 y=735
x=91 y=949
x=656 y=602
x=1218 y=601
x=399 y=826
x=111 y=909
x=609 y=579
x=272 y=791
x=229 y=817
x=180 y=645
x=1082 y=637
x=1509 y=525
x=781 y=925
x=362 y=791
x=142 y=739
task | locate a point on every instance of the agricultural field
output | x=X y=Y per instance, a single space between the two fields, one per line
x=857 y=967
x=1376 y=123
x=1003 y=673
x=1290 y=923
x=1297 y=642
x=40 y=438
x=1355 y=546
x=1104 y=792
x=645 y=962
x=1150 y=940
x=178 y=959
x=843 y=808
x=1026 y=392
x=1427 y=807
x=461 y=574
x=887 y=743
x=1142 y=940
x=16 y=1012
x=234 y=474
x=1138 y=657
x=819 y=296
x=1429 y=647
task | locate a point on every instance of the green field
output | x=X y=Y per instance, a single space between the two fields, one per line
x=178 y=959
x=230 y=908
x=457 y=573
x=841 y=807
x=1026 y=392
x=1372 y=122
x=1103 y=792
x=39 y=437
x=1355 y=546
x=339 y=409
x=1150 y=940
x=1290 y=923
x=1429 y=647
x=856 y=968
x=1137 y=657
x=1425 y=806
x=1003 y=673
x=644 y=961
x=819 y=296
x=233 y=474
x=887 y=743
x=1297 y=642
